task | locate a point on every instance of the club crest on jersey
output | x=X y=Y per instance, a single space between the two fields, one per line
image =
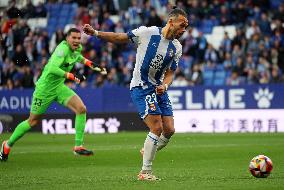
x=171 y=52
x=152 y=107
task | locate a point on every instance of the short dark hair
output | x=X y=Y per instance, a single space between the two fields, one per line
x=72 y=30
x=176 y=12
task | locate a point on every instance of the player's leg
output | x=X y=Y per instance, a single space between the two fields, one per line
x=39 y=106
x=154 y=122
x=77 y=106
x=70 y=99
x=168 y=131
x=146 y=102
x=167 y=119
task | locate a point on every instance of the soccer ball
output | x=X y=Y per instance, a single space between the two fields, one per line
x=260 y=166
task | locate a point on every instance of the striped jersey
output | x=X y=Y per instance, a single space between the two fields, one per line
x=155 y=54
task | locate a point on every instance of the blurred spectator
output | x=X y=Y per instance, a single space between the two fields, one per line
x=154 y=19
x=211 y=55
x=196 y=77
x=20 y=57
x=275 y=75
x=252 y=29
x=13 y=11
x=27 y=79
x=40 y=10
x=29 y=10
x=201 y=44
x=180 y=80
x=234 y=79
x=133 y=15
x=226 y=44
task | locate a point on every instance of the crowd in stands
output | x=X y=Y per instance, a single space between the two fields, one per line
x=255 y=55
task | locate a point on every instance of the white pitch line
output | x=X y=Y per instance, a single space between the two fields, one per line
x=131 y=147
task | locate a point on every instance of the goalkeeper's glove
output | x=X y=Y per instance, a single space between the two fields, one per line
x=75 y=77
x=95 y=67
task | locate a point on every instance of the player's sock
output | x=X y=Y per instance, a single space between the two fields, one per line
x=20 y=130
x=80 y=122
x=163 y=141
x=150 y=148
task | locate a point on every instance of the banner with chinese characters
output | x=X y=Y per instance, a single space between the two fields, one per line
x=220 y=121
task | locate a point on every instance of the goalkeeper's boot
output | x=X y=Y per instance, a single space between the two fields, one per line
x=5 y=150
x=146 y=175
x=81 y=151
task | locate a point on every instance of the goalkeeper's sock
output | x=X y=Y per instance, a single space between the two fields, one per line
x=163 y=141
x=150 y=148
x=20 y=130
x=80 y=122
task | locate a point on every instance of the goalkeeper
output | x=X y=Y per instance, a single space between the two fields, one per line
x=50 y=87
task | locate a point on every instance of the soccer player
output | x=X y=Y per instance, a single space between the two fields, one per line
x=50 y=87
x=157 y=58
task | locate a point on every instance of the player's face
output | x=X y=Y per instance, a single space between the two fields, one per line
x=74 y=40
x=179 y=26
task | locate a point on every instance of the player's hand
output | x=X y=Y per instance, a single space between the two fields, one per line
x=160 y=89
x=96 y=67
x=78 y=78
x=88 y=29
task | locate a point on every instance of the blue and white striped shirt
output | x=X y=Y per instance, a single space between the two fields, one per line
x=154 y=56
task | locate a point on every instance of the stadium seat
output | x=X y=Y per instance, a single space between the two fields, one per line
x=208 y=76
x=220 y=67
x=219 y=82
x=220 y=74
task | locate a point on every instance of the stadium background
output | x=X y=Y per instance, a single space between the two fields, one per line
x=229 y=84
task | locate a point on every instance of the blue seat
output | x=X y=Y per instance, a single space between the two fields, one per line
x=219 y=81
x=220 y=67
x=52 y=21
x=66 y=7
x=220 y=74
x=207 y=82
x=208 y=75
x=64 y=13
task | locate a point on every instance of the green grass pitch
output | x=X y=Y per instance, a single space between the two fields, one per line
x=191 y=161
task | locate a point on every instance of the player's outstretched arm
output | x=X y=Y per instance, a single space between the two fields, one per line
x=107 y=36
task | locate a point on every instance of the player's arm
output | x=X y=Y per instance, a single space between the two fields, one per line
x=169 y=74
x=107 y=36
x=168 y=79
x=56 y=60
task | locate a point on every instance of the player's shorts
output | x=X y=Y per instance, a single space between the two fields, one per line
x=148 y=102
x=41 y=102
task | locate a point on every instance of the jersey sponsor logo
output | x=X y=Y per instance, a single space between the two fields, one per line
x=156 y=63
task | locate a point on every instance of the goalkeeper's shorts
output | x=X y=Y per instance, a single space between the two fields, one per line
x=41 y=102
